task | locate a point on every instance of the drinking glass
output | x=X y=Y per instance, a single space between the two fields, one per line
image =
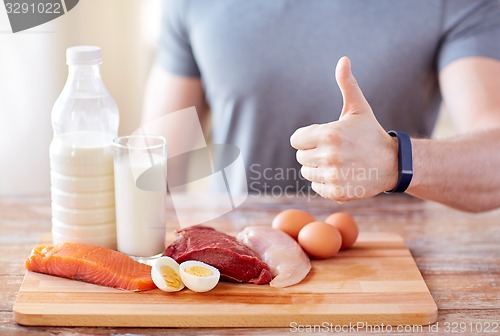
x=140 y=172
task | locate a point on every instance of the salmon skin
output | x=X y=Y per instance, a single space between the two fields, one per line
x=93 y=264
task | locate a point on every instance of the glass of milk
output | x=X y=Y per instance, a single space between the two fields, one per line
x=140 y=172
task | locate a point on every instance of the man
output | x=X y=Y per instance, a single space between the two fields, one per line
x=265 y=69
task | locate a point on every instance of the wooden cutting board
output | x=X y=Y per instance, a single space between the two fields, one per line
x=375 y=282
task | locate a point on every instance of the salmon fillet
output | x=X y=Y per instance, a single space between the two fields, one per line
x=94 y=264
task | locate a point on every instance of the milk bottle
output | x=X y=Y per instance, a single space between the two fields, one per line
x=85 y=121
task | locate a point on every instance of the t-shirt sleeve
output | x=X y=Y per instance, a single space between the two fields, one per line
x=175 y=54
x=472 y=28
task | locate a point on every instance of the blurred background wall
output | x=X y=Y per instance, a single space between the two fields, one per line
x=33 y=72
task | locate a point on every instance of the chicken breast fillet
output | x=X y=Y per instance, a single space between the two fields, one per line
x=288 y=262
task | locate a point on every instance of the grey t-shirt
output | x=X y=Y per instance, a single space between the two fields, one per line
x=267 y=66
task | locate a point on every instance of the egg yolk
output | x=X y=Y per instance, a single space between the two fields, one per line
x=198 y=271
x=171 y=277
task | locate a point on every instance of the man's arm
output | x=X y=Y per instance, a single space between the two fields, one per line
x=166 y=93
x=464 y=172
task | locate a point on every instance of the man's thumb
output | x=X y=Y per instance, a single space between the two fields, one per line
x=354 y=100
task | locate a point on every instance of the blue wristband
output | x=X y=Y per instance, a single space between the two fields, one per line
x=405 y=162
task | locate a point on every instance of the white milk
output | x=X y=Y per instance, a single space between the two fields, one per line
x=82 y=189
x=81 y=154
x=140 y=216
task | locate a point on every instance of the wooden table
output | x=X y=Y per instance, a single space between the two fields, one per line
x=458 y=254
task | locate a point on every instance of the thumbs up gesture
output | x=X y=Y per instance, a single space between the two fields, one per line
x=352 y=158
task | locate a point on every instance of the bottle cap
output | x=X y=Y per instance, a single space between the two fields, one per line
x=82 y=55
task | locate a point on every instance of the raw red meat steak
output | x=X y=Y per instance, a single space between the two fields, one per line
x=236 y=262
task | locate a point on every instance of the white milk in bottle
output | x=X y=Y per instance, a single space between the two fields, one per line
x=85 y=121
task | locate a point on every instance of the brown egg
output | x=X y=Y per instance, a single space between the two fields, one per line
x=347 y=227
x=320 y=240
x=291 y=221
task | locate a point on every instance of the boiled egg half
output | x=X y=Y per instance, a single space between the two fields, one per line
x=165 y=275
x=198 y=276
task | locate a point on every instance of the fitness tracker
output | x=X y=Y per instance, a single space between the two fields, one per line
x=405 y=163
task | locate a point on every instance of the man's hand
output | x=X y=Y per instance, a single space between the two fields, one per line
x=352 y=158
